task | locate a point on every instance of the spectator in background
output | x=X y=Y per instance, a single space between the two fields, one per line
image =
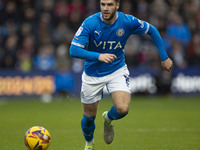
x=62 y=33
x=75 y=18
x=178 y=54
x=77 y=6
x=28 y=45
x=29 y=14
x=62 y=55
x=77 y=12
x=47 y=6
x=142 y=10
x=10 y=12
x=190 y=14
x=158 y=10
x=148 y=56
x=25 y=54
x=64 y=80
x=126 y=7
x=24 y=62
x=194 y=51
x=132 y=50
x=45 y=60
x=91 y=7
x=60 y=10
x=26 y=30
x=45 y=29
x=177 y=39
x=9 y=27
x=10 y=51
x=178 y=30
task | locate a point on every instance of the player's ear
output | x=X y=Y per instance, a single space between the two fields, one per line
x=117 y=5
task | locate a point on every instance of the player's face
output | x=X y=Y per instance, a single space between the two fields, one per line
x=108 y=9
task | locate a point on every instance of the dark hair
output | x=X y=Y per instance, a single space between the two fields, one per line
x=117 y=1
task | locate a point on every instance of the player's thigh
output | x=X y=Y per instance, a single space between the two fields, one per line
x=119 y=81
x=90 y=110
x=120 y=91
x=121 y=101
x=91 y=93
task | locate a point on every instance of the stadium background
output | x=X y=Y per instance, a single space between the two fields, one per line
x=35 y=37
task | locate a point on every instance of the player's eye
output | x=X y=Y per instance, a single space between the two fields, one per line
x=110 y=4
x=102 y=4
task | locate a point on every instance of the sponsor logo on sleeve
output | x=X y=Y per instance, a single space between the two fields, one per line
x=79 y=31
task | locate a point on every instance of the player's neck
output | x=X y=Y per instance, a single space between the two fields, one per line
x=110 y=22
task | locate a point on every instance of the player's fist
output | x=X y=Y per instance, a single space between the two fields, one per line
x=167 y=64
x=107 y=58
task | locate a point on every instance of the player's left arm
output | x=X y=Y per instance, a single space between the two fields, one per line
x=166 y=62
x=138 y=26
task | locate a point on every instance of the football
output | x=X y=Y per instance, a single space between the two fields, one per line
x=37 y=138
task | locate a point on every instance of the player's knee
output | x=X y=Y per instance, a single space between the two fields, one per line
x=122 y=110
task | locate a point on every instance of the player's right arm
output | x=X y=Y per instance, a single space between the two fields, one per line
x=79 y=44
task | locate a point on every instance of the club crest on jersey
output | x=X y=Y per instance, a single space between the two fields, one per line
x=120 y=32
x=79 y=31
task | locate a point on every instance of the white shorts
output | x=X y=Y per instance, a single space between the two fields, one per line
x=92 y=87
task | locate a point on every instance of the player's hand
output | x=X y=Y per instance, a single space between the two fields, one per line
x=167 y=64
x=107 y=58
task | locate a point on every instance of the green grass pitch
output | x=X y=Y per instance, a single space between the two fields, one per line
x=153 y=123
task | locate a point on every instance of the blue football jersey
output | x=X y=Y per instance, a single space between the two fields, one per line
x=97 y=36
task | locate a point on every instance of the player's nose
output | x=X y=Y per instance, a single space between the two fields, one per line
x=106 y=7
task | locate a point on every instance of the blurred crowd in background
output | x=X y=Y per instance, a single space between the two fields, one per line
x=36 y=34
